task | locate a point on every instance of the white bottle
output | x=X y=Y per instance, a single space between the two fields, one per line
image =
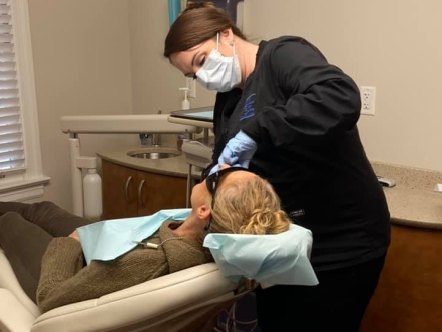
x=185 y=104
x=92 y=195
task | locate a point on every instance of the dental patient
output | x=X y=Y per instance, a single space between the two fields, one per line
x=42 y=246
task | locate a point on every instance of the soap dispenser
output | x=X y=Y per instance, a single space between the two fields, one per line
x=185 y=104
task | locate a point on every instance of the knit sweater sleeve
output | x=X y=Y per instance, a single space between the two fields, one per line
x=61 y=261
x=63 y=281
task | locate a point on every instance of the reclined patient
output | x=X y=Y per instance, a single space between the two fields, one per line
x=41 y=245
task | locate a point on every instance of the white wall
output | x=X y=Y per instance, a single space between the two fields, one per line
x=394 y=45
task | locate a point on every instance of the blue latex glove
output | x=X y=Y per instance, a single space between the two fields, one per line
x=238 y=151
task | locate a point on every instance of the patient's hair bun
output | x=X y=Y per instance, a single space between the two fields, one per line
x=250 y=206
x=265 y=221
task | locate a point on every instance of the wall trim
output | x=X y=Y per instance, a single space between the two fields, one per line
x=25 y=190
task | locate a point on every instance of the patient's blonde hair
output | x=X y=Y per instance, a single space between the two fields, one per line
x=248 y=206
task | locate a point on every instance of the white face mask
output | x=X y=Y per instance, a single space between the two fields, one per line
x=219 y=72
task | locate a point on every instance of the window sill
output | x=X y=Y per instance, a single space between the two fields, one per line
x=23 y=190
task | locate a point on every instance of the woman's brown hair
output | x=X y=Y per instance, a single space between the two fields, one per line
x=199 y=22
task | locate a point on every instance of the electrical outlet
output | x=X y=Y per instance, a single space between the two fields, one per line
x=368 y=99
x=190 y=83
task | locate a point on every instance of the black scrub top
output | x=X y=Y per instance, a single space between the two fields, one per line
x=302 y=112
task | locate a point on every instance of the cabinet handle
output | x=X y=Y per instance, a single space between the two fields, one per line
x=140 y=188
x=126 y=187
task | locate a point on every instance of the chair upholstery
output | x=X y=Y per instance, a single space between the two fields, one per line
x=181 y=301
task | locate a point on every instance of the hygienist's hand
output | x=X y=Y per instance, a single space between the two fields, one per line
x=238 y=151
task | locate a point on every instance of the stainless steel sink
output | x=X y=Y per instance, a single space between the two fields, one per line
x=154 y=153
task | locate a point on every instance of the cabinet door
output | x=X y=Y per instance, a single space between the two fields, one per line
x=408 y=297
x=119 y=191
x=158 y=192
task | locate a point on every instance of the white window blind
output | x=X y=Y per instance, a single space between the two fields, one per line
x=12 y=154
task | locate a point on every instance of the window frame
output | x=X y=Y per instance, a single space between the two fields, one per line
x=29 y=183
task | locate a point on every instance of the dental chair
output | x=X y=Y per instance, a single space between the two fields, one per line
x=183 y=301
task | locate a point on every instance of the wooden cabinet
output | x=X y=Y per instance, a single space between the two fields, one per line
x=129 y=192
x=409 y=294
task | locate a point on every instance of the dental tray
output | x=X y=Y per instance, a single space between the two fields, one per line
x=199 y=114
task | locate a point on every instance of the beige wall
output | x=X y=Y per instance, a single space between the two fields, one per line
x=393 y=45
x=98 y=57
x=82 y=66
x=155 y=82
x=105 y=57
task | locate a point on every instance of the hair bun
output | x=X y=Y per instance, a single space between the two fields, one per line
x=265 y=221
x=198 y=4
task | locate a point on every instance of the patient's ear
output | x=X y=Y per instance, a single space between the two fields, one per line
x=203 y=212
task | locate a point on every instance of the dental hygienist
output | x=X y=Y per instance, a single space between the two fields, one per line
x=289 y=115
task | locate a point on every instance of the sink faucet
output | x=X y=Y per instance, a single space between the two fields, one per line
x=156 y=140
x=151 y=139
x=148 y=139
x=145 y=139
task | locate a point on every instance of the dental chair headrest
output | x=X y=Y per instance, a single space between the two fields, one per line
x=277 y=259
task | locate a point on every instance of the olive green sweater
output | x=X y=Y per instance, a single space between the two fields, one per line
x=64 y=280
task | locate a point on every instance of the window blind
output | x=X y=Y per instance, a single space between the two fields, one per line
x=12 y=154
